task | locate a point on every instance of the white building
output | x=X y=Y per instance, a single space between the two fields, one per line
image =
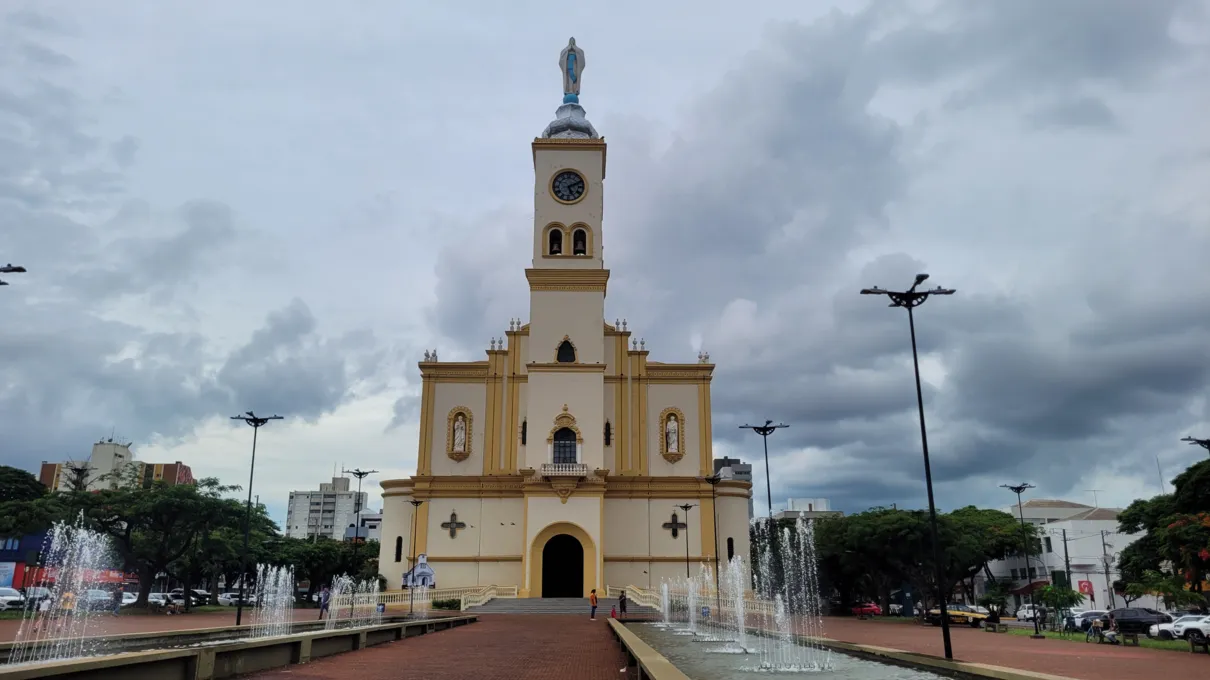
x=808 y=508
x=1091 y=549
x=734 y=468
x=326 y=512
x=371 y=527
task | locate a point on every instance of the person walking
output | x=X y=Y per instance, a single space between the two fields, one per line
x=325 y=599
x=622 y=603
x=592 y=603
x=117 y=601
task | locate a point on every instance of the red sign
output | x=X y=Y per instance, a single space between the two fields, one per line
x=1086 y=589
x=47 y=576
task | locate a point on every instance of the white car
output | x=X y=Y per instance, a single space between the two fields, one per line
x=11 y=598
x=231 y=599
x=1164 y=631
x=129 y=598
x=1026 y=612
x=1200 y=624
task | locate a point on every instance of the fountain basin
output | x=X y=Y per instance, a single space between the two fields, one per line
x=213 y=661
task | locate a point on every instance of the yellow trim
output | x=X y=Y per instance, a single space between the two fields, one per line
x=491 y=422
x=476 y=558
x=643 y=434
x=516 y=486
x=454 y=369
x=693 y=559
x=422 y=530
x=578 y=280
x=707 y=524
x=564 y=368
x=425 y=458
x=575 y=352
x=601 y=552
x=514 y=408
x=706 y=430
x=550 y=531
x=547 y=144
x=564 y=235
x=621 y=439
x=589 y=241
x=550 y=186
x=524 y=590
x=565 y=419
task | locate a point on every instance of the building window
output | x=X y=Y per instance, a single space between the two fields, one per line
x=730 y=548
x=566 y=353
x=1046 y=541
x=524 y=427
x=608 y=434
x=565 y=446
x=556 y=242
x=1033 y=572
x=1014 y=574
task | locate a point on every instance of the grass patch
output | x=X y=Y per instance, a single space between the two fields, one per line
x=10 y=615
x=1144 y=641
x=883 y=619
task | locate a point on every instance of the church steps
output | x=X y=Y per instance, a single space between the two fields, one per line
x=551 y=605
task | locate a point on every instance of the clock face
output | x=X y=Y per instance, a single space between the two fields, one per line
x=568 y=186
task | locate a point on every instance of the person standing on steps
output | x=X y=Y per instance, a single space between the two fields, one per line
x=622 y=604
x=592 y=603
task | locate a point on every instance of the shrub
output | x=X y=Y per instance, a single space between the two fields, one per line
x=453 y=603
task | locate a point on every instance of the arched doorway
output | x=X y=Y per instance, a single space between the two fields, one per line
x=563 y=567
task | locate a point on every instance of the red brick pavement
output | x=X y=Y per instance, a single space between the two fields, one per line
x=1058 y=657
x=104 y=624
x=498 y=647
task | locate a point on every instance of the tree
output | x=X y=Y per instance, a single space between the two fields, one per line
x=1170 y=589
x=1058 y=599
x=76 y=475
x=17 y=485
x=995 y=596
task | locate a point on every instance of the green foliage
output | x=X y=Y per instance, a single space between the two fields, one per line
x=17 y=485
x=452 y=603
x=1057 y=598
x=996 y=595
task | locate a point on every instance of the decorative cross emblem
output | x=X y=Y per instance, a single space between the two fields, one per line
x=453 y=525
x=674 y=525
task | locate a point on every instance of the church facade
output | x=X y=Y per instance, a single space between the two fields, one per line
x=563 y=461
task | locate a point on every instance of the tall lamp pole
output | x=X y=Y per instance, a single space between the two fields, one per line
x=360 y=475
x=412 y=586
x=10 y=269
x=764 y=431
x=257 y=423
x=686 y=508
x=713 y=481
x=1020 y=489
x=909 y=300
x=1204 y=443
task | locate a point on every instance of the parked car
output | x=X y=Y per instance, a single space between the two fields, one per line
x=958 y=614
x=1084 y=619
x=95 y=598
x=1135 y=620
x=867 y=609
x=1200 y=626
x=1164 y=631
x=199 y=596
x=129 y=598
x=35 y=594
x=11 y=598
x=231 y=599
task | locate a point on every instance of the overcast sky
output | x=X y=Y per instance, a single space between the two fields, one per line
x=279 y=206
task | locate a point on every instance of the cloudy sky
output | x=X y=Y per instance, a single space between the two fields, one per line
x=280 y=206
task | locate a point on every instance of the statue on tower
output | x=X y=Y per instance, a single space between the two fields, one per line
x=571 y=62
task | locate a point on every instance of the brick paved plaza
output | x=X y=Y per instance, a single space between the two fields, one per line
x=102 y=624
x=498 y=647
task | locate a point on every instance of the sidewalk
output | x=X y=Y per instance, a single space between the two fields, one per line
x=103 y=624
x=1057 y=657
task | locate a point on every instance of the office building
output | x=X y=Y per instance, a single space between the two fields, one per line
x=327 y=512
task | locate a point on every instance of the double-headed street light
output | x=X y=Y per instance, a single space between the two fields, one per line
x=257 y=423
x=1204 y=443
x=412 y=586
x=1020 y=489
x=764 y=431
x=909 y=300
x=360 y=475
x=687 y=507
x=10 y=269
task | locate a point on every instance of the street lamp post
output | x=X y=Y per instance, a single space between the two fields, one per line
x=360 y=475
x=686 y=508
x=257 y=423
x=10 y=269
x=764 y=431
x=1019 y=489
x=909 y=300
x=1204 y=443
x=713 y=481
x=412 y=586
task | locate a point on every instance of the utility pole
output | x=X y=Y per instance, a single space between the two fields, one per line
x=1019 y=489
x=412 y=586
x=764 y=431
x=360 y=475
x=1095 y=502
x=909 y=300
x=1066 y=560
x=686 y=508
x=1204 y=443
x=1107 y=559
x=713 y=481
x=257 y=423
x=10 y=269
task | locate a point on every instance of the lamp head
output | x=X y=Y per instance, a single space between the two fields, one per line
x=921 y=278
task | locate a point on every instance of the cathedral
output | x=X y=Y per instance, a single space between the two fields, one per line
x=565 y=460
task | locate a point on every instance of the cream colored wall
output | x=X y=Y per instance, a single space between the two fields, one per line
x=500 y=574
x=396 y=523
x=494 y=526
x=733 y=523
x=622 y=517
x=588 y=162
x=584 y=394
x=610 y=345
x=662 y=542
x=622 y=574
x=659 y=397
x=445 y=397
x=576 y=314
x=583 y=511
x=503 y=527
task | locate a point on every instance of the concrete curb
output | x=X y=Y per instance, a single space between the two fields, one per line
x=651 y=664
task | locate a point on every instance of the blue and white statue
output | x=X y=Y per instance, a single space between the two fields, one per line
x=571 y=62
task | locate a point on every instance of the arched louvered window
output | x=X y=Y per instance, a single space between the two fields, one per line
x=565 y=446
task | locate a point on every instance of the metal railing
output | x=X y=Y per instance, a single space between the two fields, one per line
x=422 y=598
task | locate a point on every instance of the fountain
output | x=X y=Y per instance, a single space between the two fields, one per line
x=74 y=559
x=353 y=603
x=273 y=598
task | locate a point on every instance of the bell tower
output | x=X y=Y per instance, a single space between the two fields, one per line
x=566 y=347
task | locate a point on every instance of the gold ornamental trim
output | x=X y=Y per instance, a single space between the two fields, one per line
x=459 y=456
x=556 y=367
x=517 y=485
x=474 y=558
x=563 y=420
x=580 y=280
x=546 y=143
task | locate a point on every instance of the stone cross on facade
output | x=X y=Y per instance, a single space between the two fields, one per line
x=454 y=525
x=674 y=525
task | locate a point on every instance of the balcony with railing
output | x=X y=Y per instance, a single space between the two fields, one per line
x=564 y=470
